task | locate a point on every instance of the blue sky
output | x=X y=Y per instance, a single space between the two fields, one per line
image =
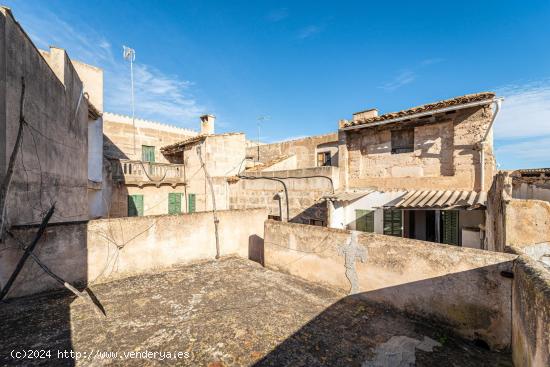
x=307 y=64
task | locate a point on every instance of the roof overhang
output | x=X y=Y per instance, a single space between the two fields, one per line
x=422 y=114
x=347 y=196
x=440 y=199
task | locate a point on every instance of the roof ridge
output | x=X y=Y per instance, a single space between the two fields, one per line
x=432 y=106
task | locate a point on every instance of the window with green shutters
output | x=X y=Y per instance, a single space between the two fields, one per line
x=174 y=203
x=191 y=203
x=147 y=153
x=449 y=227
x=364 y=220
x=393 y=224
x=135 y=205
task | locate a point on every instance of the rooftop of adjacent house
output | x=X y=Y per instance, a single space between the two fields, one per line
x=447 y=103
x=176 y=147
x=232 y=312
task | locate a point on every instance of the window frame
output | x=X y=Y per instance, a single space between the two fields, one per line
x=402 y=148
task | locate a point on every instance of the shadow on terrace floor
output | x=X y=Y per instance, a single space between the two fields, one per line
x=230 y=312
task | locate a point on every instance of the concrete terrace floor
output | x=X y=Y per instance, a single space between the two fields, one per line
x=230 y=312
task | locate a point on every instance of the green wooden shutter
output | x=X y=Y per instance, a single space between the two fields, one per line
x=364 y=220
x=191 y=203
x=174 y=203
x=393 y=223
x=449 y=227
x=135 y=205
x=147 y=153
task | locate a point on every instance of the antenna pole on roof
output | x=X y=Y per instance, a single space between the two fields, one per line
x=129 y=54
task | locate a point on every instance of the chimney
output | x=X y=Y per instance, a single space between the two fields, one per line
x=363 y=115
x=207 y=124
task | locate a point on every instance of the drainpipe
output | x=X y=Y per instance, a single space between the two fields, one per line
x=497 y=103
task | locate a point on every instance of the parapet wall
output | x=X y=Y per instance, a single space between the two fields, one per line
x=108 y=249
x=530 y=313
x=461 y=287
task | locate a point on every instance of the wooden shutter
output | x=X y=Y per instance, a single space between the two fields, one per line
x=191 y=203
x=135 y=205
x=393 y=223
x=174 y=203
x=364 y=220
x=147 y=153
x=449 y=227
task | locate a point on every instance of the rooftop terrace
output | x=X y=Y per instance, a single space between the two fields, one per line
x=230 y=312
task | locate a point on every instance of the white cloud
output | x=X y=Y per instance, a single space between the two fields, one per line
x=403 y=78
x=525 y=111
x=158 y=96
x=277 y=15
x=308 y=31
x=432 y=61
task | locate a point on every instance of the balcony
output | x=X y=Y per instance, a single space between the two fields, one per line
x=146 y=173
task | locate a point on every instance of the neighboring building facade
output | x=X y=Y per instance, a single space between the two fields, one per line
x=142 y=180
x=420 y=173
x=223 y=156
x=52 y=161
x=311 y=151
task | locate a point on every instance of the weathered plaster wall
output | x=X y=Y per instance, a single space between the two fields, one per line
x=527 y=222
x=444 y=156
x=304 y=195
x=305 y=150
x=526 y=191
x=92 y=77
x=127 y=246
x=106 y=249
x=461 y=287
x=530 y=314
x=62 y=248
x=52 y=162
x=119 y=133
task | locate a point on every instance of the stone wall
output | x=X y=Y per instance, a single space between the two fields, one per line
x=304 y=149
x=514 y=222
x=107 y=249
x=119 y=136
x=51 y=164
x=527 y=222
x=530 y=314
x=460 y=287
x=445 y=155
x=304 y=194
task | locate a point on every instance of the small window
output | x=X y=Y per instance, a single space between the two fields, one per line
x=393 y=225
x=148 y=153
x=402 y=141
x=317 y=222
x=135 y=205
x=364 y=220
x=323 y=159
x=274 y=217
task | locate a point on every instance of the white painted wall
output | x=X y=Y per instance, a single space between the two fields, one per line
x=344 y=213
